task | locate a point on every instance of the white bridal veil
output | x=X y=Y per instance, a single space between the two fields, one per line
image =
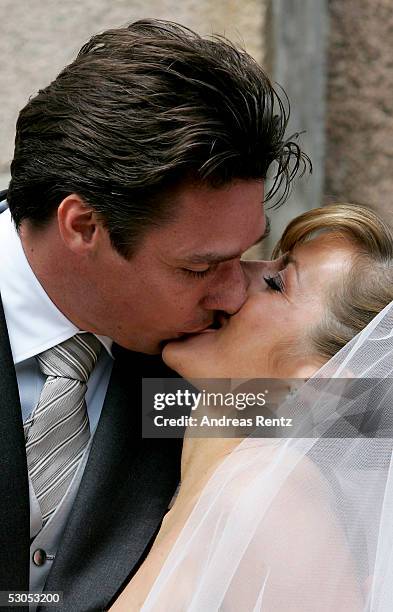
x=301 y=524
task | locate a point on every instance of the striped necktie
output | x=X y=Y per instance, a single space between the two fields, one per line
x=57 y=431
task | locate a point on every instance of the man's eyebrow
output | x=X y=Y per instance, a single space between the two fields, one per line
x=212 y=258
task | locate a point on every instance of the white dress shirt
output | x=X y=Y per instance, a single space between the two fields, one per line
x=35 y=324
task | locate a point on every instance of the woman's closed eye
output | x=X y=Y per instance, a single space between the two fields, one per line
x=275 y=282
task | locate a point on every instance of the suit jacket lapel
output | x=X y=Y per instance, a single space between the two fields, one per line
x=14 y=485
x=125 y=490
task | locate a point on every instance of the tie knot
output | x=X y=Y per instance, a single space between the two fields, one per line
x=75 y=358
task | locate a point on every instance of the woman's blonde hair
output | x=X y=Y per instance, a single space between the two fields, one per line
x=368 y=286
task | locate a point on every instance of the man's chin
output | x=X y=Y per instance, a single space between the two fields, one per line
x=156 y=350
x=148 y=348
x=152 y=346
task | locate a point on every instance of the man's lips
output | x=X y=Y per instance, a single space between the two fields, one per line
x=219 y=322
x=195 y=332
x=206 y=330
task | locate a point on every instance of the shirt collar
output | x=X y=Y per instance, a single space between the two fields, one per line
x=34 y=323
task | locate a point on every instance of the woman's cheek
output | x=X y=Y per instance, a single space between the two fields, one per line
x=258 y=320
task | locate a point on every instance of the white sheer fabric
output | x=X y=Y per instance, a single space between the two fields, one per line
x=302 y=524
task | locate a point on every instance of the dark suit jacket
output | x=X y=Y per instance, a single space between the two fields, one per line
x=124 y=494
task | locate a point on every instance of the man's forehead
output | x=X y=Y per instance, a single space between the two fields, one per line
x=212 y=224
x=216 y=254
x=196 y=205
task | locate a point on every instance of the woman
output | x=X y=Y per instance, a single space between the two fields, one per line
x=290 y=524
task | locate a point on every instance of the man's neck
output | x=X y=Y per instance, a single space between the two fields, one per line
x=55 y=273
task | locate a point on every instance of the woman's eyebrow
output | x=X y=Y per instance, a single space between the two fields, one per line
x=287 y=259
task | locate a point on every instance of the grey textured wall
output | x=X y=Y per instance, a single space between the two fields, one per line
x=39 y=37
x=359 y=163
x=296 y=53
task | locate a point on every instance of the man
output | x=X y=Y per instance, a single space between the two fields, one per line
x=137 y=184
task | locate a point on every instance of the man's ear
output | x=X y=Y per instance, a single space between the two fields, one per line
x=78 y=224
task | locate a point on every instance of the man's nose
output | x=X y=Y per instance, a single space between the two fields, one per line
x=229 y=291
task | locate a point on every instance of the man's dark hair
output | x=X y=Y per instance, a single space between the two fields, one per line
x=139 y=111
